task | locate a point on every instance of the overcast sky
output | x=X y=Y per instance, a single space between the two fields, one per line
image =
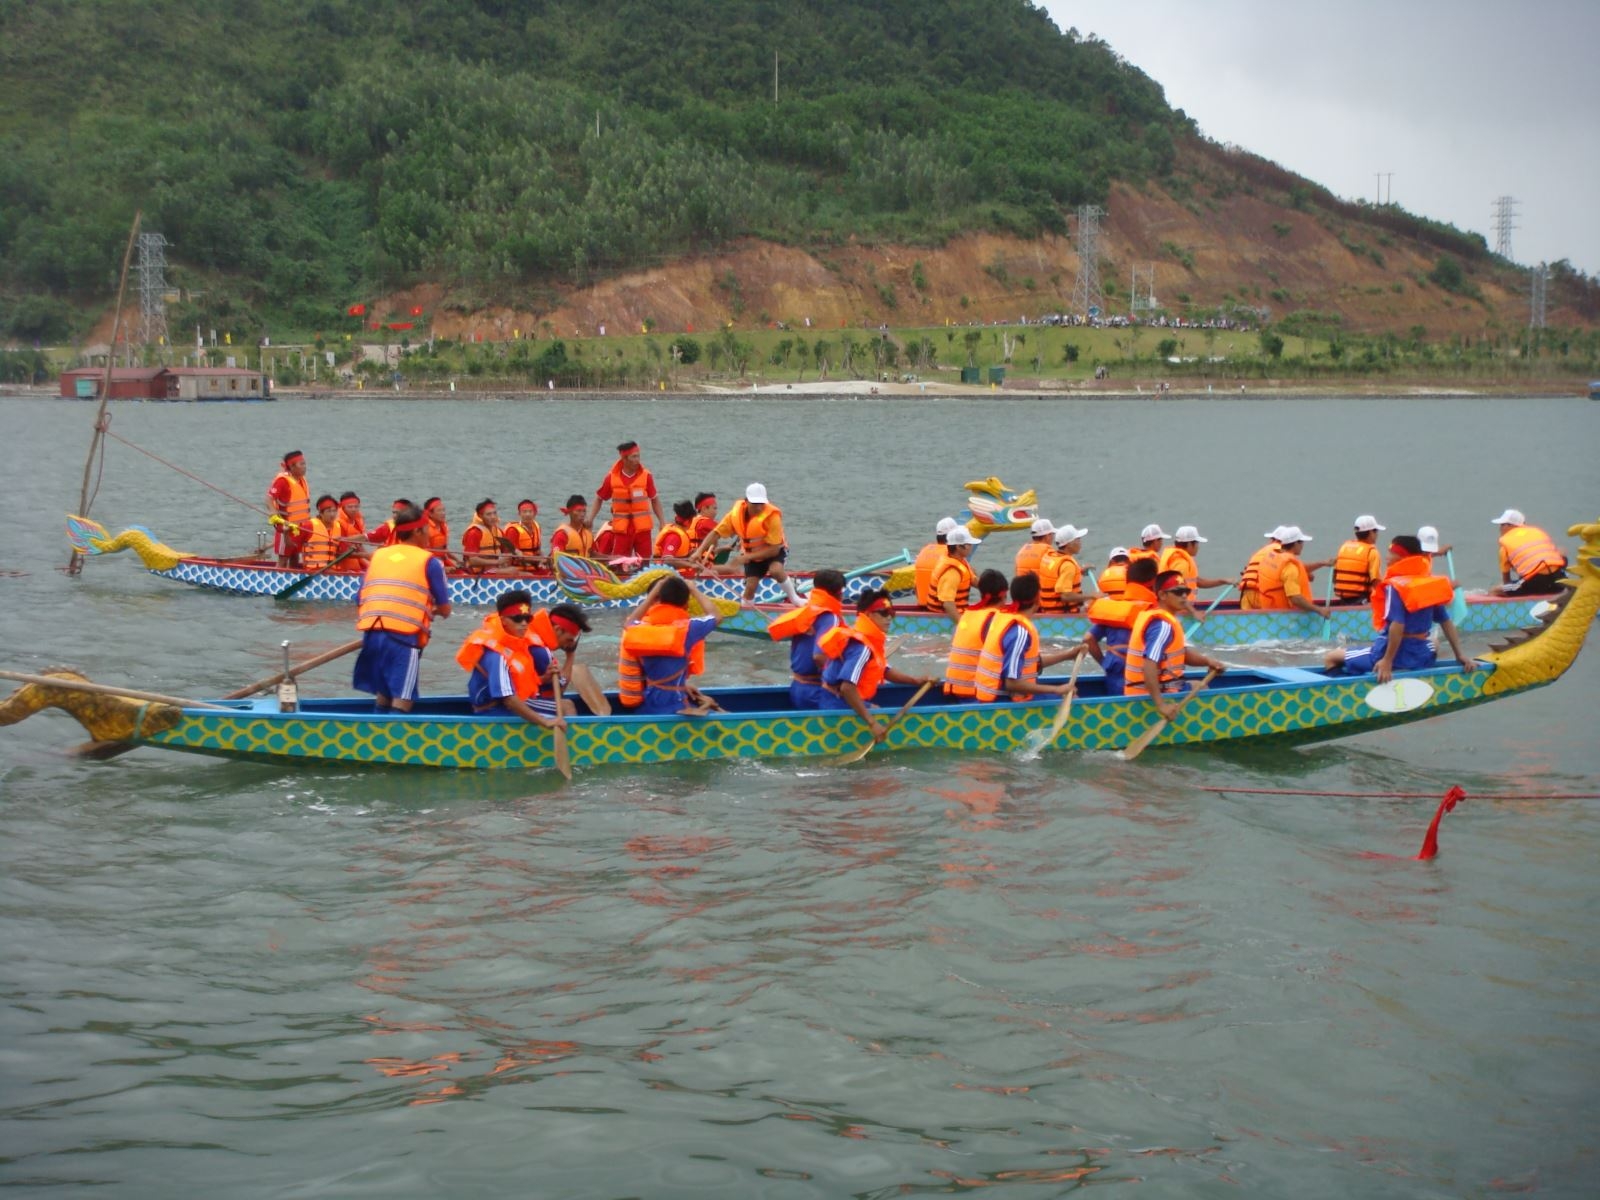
x=1463 y=100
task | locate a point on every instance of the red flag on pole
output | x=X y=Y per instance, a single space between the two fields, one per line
x=357 y=310
x=416 y=310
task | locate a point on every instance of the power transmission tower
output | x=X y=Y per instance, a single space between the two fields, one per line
x=1541 y=277
x=1144 y=297
x=1505 y=220
x=1087 y=295
x=152 y=289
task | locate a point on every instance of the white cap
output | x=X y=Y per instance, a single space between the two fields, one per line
x=1290 y=534
x=756 y=493
x=1069 y=533
x=1366 y=523
x=1188 y=533
x=1429 y=537
x=1117 y=552
x=1152 y=531
x=945 y=525
x=1511 y=516
x=1275 y=534
x=1043 y=528
x=961 y=536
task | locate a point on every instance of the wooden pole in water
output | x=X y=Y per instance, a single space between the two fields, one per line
x=102 y=418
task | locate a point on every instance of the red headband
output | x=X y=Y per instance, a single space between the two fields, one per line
x=575 y=508
x=881 y=604
x=434 y=505
x=294 y=458
x=410 y=526
x=1179 y=582
x=517 y=610
x=530 y=504
x=565 y=623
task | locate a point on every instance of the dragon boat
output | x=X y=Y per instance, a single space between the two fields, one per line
x=1227 y=624
x=1286 y=705
x=255 y=575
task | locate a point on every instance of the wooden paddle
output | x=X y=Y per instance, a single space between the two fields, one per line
x=1038 y=743
x=104 y=750
x=1136 y=747
x=563 y=762
x=844 y=760
x=285 y=593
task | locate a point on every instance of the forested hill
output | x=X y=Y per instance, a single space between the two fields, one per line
x=298 y=153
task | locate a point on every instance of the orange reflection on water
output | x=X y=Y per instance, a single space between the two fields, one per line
x=406 y=1068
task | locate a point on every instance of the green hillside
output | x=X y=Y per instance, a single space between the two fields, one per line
x=301 y=154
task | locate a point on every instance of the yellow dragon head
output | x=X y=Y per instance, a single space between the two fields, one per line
x=992 y=507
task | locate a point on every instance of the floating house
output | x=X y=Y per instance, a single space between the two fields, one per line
x=167 y=383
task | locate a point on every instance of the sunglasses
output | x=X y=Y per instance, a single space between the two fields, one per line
x=1177 y=591
x=522 y=620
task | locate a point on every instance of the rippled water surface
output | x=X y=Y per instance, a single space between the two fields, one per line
x=921 y=975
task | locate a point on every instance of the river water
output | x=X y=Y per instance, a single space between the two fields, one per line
x=921 y=975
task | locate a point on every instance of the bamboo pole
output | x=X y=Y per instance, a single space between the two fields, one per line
x=102 y=419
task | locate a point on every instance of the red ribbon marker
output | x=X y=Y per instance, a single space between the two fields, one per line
x=1430 y=841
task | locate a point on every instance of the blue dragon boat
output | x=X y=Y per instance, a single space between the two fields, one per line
x=1286 y=705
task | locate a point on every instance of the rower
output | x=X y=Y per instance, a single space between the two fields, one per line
x=803 y=626
x=353 y=525
x=972 y=627
x=1530 y=554
x=1411 y=601
x=383 y=535
x=1115 y=573
x=950 y=588
x=1283 y=581
x=321 y=544
x=1032 y=552
x=1357 y=568
x=1157 y=650
x=482 y=541
x=929 y=557
x=1111 y=621
x=1183 y=557
x=437 y=534
x=1151 y=539
x=1008 y=667
x=574 y=536
x=857 y=663
x=632 y=491
x=509 y=671
x=525 y=536
x=676 y=541
x=1250 y=576
x=758 y=524
x=289 y=497
x=1060 y=575
x=404 y=589
x=662 y=649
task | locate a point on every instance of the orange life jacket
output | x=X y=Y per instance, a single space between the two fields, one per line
x=662 y=631
x=922 y=571
x=988 y=683
x=1355 y=570
x=702 y=528
x=1142 y=553
x=322 y=546
x=298 y=510
x=488 y=540
x=523 y=539
x=1114 y=578
x=394 y=593
x=966 y=647
x=349 y=526
x=1530 y=552
x=1057 y=573
x=579 y=541
x=1250 y=577
x=964 y=582
x=1121 y=611
x=1174 y=558
x=438 y=535
x=832 y=644
x=751 y=530
x=800 y=620
x=1412 y=576
x=630 y=499
x=1169 y=670
x=674 y=540
x=1272 y=595
x=1030 y=556
x=492 y=635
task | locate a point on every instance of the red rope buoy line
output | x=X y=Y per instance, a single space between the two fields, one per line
x=1405 y=795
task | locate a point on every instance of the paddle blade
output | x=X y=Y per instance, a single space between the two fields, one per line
x=563 y=761
x=1399 y=695
x=855 y=756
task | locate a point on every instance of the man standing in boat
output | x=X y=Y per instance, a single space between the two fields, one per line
x=289 y=497
x=758 y=524
x=632 y=492
x=1406 y=607
x=404 y=589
